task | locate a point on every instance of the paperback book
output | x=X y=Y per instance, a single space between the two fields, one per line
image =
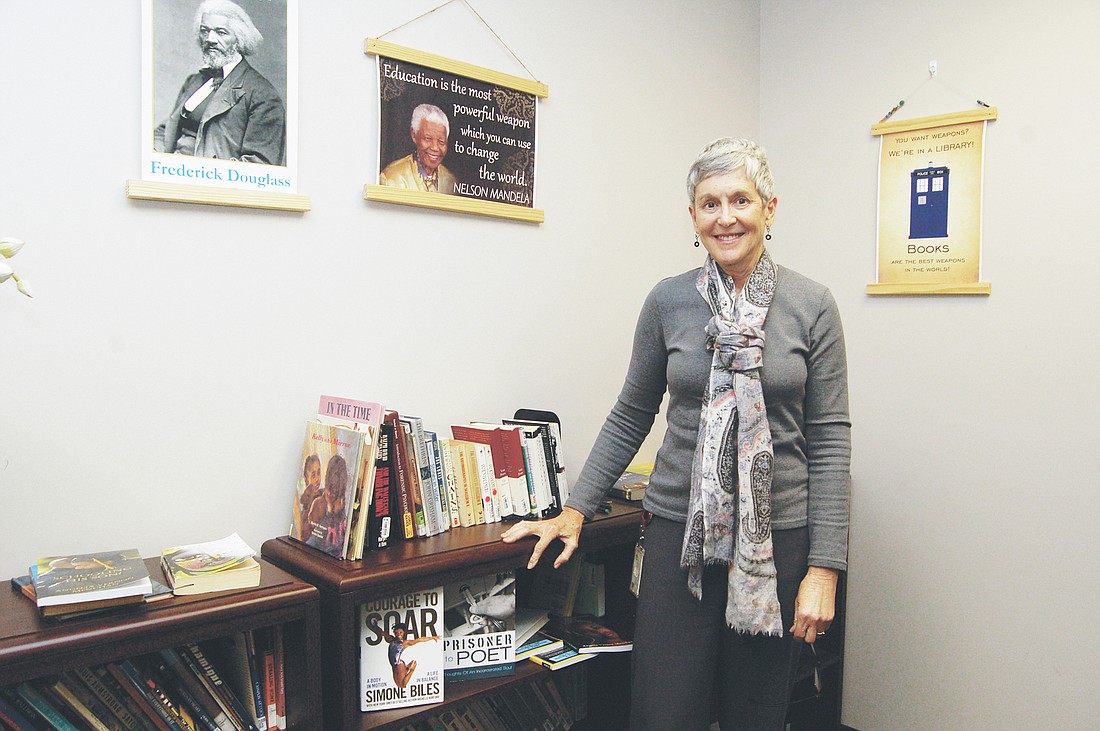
x=401 y=650
x=326 y=491
x=220 y=565
x=64 y=584
x=480 y=627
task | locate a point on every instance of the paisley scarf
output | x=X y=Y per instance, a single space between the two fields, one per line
x=729 y=513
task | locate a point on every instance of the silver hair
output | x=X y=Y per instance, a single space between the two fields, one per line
x=432 y=113
x=727 y=154
x=248 y=37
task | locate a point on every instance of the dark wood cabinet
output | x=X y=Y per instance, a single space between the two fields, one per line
x=438 y=560
x=31 y=647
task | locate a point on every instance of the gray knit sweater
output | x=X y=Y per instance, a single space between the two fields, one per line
x=805 y=380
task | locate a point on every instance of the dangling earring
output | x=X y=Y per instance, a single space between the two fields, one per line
x=696 y=240
x=767 y=233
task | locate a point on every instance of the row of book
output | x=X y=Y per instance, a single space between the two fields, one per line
x=231 y=684
x=543 y=704
x=371 y=476
x=74 y=585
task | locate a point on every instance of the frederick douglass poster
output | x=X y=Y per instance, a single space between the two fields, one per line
x=219 y=94
x=448 y=134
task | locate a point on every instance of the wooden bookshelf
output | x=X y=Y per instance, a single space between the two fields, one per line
x=32 y=647
x=417 y=564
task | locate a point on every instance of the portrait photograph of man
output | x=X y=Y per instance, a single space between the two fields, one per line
x=220 y=79
x=423 y=169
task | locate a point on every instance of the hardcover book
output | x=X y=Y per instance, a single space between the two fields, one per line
x=219 y=565
x=384 y=512
x=479 y=621
x=401 y=650
x=490 y=435
x=587 y=634
x=64 y=584
x=326 y=492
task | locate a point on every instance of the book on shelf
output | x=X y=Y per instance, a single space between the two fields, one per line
x=491 y=436
x=529 y=620
x=555 y=589
x=408 y=513
x=384 y=512
x=25 y=585
x=198 y=568
x=190 y=684
x=590 y=596
x=631 y=485
x=548 y=432
x=15 y=717
x=401 y=650
x=560 y=658
x=588 y=634
x=81 y=582
x=236 y=659
x=439 y=477
x=331 y=462
x=490 y=489
x=515 y=470
x=364 y=417
x=234 y=704
x=449 y=470
x=430 y=496
x=479 y=620
x=538 y=643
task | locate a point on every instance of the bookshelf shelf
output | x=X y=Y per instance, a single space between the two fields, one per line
x=417 y=564
x=31 y=647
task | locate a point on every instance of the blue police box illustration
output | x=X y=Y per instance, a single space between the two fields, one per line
x=928 y=202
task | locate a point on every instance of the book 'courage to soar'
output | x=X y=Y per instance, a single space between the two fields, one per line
x=401 y=650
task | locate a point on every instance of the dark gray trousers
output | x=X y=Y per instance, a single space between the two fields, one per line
x=687 y=662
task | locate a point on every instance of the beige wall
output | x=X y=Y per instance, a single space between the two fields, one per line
x=972 y=567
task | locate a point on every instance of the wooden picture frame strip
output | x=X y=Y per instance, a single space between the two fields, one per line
x=939 y=120
x=148 y=190
x=377 y=47
x=930 y=288
x=453 y=203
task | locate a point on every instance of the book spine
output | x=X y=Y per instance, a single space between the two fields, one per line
x=511 y=440
x=11 y=715
x=112 y=677
x=467 y=509
x=489 y=492
x=193 y=691
x=428 y=486
x=404 y=480
x=108 y=699
x=381 y=512
x=201 y=665
x=269 y=688
x=256 y=680
x=280 y=679
x=37 y=701
x=447 y=466
x=68 y=697
x=439 y=480
x=416 y=486
x=139 y=681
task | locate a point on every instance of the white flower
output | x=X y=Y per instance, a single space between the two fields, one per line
x=23 y=285
x=9 y=247
x=5 y=272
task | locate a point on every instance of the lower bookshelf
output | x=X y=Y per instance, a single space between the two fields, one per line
x=417 y=564
x=32 y=648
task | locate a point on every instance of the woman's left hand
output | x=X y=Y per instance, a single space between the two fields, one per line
x=815 y=606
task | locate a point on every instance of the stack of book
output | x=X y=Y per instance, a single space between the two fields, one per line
x=198 y=568
x=570 y=640
x=371 y=476
x=73 y=585
x=232 y=684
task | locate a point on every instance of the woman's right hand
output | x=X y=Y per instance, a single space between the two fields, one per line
x=565 y=527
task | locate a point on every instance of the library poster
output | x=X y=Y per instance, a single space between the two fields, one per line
x=454 y=141
x=930 y=205
x=219 y=94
